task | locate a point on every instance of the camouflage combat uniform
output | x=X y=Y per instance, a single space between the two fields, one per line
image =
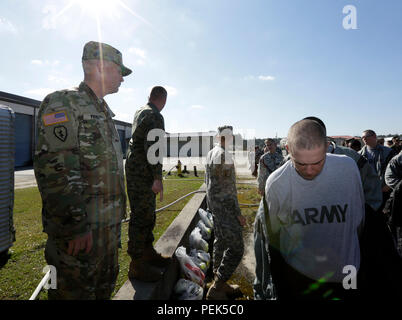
x=79 y=169
x=140 y=175
x=220 y=179
x=269 y=162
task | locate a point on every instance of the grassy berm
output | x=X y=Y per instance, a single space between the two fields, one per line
x=21 y=274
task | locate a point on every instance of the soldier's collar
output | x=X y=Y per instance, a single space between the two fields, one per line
x=100 y=101
x=87 y=89
x=153 y=106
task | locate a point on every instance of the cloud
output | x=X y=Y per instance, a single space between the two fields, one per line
x=49 y=21
x=40 y=92
x=38 y=62
x=136 y=56
x=59 y=80
x=54 y=17
x=262 y=78
x=138 y=52
x=126 y=90
x=249 y=77
x=266 y=78
x=197 y=106
x=172 y=91
x=7 y=27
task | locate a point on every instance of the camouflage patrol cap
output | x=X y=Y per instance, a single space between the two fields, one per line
x=225 y=130
x=98 y=50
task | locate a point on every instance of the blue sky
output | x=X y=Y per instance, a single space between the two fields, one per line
x=259 y=65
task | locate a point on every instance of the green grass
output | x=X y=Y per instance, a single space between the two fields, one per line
x=22 y=273
x=246 y=194
x=185 y=176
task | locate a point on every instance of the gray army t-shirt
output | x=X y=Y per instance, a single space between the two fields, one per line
x=318 y=219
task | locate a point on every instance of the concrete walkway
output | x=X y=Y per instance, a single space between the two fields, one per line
x=26 y=178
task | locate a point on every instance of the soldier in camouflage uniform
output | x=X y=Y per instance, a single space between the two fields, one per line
x=269 y=162
x=220 y=179
x=144 y=181
x=78 y=165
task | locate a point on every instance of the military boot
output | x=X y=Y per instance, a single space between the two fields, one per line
x=216 y=291
x=156 y=259
x=231 y=291
x=143 y=271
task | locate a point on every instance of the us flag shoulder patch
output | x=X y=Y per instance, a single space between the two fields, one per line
x=54 y=118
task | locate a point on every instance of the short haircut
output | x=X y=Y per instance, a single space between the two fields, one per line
x=320 y=122
x=225 y=130
x=157 y=93
x=306 y=135
x=369 y=132
x=355 y=144
x=269 y=140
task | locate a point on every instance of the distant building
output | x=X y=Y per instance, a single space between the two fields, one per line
x=339 y=140
x=190 y=144
x=26 y=112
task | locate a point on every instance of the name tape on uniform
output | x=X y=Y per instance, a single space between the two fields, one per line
x=54 y=118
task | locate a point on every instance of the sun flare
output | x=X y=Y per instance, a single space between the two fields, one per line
x=98 y=8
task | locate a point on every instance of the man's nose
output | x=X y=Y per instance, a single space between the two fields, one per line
x=309 y=169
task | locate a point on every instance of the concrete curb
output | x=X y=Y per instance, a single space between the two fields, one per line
x=176 y=235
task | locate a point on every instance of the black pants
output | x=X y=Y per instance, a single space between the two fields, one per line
x=292 y=285
x=380 y=260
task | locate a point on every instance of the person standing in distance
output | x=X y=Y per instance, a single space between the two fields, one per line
x=78 y=165
x=269 y=162
x=220 y=179
x=144 y=182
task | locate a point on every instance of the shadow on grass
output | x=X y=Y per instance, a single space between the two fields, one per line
x=4 y=257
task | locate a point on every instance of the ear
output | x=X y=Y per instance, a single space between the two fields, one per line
x=98 y=67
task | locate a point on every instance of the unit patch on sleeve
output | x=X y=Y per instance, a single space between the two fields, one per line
x=61 y=133
x=54 y=118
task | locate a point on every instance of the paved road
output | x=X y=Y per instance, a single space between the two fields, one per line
x=24 y=179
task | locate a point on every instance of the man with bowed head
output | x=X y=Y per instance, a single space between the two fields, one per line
x=313 y=217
